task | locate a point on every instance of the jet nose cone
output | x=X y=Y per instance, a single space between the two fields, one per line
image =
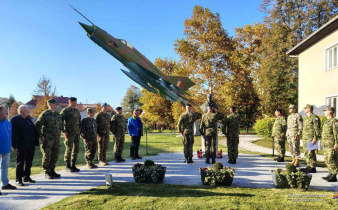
x=89 y=29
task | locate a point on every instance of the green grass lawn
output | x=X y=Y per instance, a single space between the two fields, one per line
x=162 y=196
x=156 y=144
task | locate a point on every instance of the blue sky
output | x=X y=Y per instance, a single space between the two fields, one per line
x=44 y=38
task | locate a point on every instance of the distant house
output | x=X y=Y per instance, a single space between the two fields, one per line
x=63 y=102
x=3 y=101
x=318 y=68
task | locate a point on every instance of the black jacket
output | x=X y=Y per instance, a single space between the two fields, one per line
x=24 y=133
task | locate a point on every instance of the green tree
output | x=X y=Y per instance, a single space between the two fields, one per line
x=131 y=100
x=10 y=101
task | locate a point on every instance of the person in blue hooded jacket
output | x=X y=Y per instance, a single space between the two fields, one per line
x=135 y=130
x=5 y=149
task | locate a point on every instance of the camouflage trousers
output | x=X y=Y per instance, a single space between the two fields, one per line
x=310 y=156
x=119 y=143
x=210 y=145
x=50 y=152
x=331 y=158
x=188 y=143
x=103 y=142
x=232 y=144
x=294 y=147
x=72 y=147
x=90 y=149
x=280 y=146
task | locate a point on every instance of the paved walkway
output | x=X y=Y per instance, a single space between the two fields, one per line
x=252 y=171
x=245 y=143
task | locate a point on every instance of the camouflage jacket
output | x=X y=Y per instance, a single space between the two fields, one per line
x=186 y=122
x=49 y=123
x=88 y=128
x=329 y=134
x=103 y=123
x=231 y=124
x=118 y=124
x=295 y=125
x=208 y=124
x=279 y=127
x=311 y=128
x=71 y=119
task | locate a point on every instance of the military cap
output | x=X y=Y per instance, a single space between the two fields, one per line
x=73 y=99
x=91 y=110
x=52 y=101
x=279 y=110
x=329 y=108
x=308 y=106
x=292 y=106
x=104 y=104
x=210 y=105
x=118 y=108
x=189 y=105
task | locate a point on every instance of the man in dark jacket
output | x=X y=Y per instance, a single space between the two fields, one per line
x=24 y=140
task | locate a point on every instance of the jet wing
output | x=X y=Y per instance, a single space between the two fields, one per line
x=139 y=81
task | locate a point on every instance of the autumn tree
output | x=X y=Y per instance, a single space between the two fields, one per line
x=44 y=92
x=205 y=52
x=131 y=100
x=156 y=108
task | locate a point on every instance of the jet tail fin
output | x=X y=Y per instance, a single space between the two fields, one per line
x=183 y=83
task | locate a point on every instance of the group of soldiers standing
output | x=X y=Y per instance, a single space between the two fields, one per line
x=209 y=131
x=94 y=132
x=309 y=129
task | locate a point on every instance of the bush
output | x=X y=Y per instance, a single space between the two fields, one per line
x=291 y=168
x=148 y=163
x=218 y=166
x=263 y=127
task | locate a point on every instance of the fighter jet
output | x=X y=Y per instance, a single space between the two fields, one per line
x=140 y=69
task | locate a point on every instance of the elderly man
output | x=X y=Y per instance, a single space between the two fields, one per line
x=5 y=148
x=135 y=130
x=24 y=139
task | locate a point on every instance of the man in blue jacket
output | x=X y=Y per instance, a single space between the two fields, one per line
x=5 y=148
x=135 y=130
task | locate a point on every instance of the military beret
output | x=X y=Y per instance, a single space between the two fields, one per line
x=104 y=104
x=73 y=99
x=52 y=101
x=292 y=106
x=329 y=108
x=91 y=110
x=118 y=108
x=308 y=106
x=189 y=105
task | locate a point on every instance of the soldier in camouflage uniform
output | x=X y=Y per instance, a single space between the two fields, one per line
x=49 y=127
x=89 y=135
x=311 y=129
x=103 y=129
x=231 y=130
x=118 y=127
x=330 y=144
x=278 y=134
x=186 y=129
x=293 y=133
x=71 y=118
x=209 y=131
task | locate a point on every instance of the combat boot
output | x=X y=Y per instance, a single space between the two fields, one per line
x=296 y=163
x=56 y=175
x=121 y=159
x=234 y=161
x=117 y=159
x=312 y=170
x=186 y=160
x=69 y=168
x=49 y=175
x=276 y=159
x=307 y=168
x=281 y=159
x=207 y=160
x=327 y=177
x=190 y=160
x=230 y=161
x=213 y=161
x=74 y=167
x=332 y=178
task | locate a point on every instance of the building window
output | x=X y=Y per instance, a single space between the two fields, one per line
x=332 y=101
x=331 y=58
